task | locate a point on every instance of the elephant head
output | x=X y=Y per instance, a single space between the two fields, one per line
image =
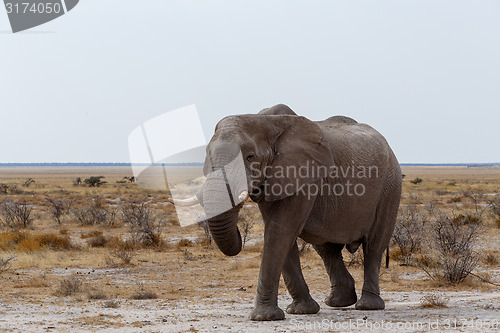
x=267 y=145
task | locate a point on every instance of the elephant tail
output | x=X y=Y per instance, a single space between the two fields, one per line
x=387 y=257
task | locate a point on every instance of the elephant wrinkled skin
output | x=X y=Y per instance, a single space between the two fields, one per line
x=333 y=183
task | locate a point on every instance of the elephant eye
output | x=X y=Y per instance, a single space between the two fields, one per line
x=250 y=157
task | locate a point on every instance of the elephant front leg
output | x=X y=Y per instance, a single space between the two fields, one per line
x=273 y=258
x=283 y=223
x=302 y=303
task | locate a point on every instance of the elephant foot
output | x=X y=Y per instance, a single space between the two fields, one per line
x=267 y=312
x=309 y=306
x=341 y=299
x=370 y=301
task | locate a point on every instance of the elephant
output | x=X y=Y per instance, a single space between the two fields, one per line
x=347 y=195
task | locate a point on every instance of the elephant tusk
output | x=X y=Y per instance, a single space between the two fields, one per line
x=184 y=202
x=243 y=196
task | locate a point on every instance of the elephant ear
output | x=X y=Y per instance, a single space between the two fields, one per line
x=301 y=157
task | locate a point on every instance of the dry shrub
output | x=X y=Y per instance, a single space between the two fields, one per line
x=192 y=257
x=54 y=241
x=454 y=257
x=9 y=239
x=184 y=242
x=146 y=225
x=5 y=263
x=27 y=242
x=58 y=208
x=433 y=301
x=97 y=241
x=356 y=259
x=96 y=295
x=455 y=200
x=142 y=294
x=111 y=304
x=116 y=242
x=409 y=233
x=246 y=222
x=91 y=234
x=69 y=286
x=495 y=209
x=207 y=240
x=16 y=214
x=10 y=189
x=124 y=254
x=95 y=213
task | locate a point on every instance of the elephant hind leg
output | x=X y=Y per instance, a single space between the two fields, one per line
x=373 y=248
x=342 y=291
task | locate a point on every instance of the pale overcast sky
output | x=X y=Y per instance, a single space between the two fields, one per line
x=424 y=73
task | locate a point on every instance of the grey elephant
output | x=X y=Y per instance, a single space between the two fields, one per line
x=334 y=183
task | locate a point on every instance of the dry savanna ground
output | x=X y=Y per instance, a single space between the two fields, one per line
x=114 y=258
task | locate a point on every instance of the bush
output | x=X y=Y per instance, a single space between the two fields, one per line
x=58 y=208
x=495 y=209
x=96 y=212
x=455 y=239
x=416 y=181
x=54 y=241
x=9 y=189
x=124 y=254
x=5 y=264
x=246 y=224
x=94 y=181
x=69 y=286
x=433 y=301
x=97 y=241
x=97 y=295
x=146 y=225
x=112 y=304
x=28 y=242
x=142 y=293
x=16 y=215
x=207 y=240
x=184 y=243
x=409 y=232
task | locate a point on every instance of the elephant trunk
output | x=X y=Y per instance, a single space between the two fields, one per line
x=222 y=219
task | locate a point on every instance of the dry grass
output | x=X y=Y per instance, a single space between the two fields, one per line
x=97 y=295
x=27 y=241
x=69 y=286
x=36 y=281
x=142 y=294
x=182 y=270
